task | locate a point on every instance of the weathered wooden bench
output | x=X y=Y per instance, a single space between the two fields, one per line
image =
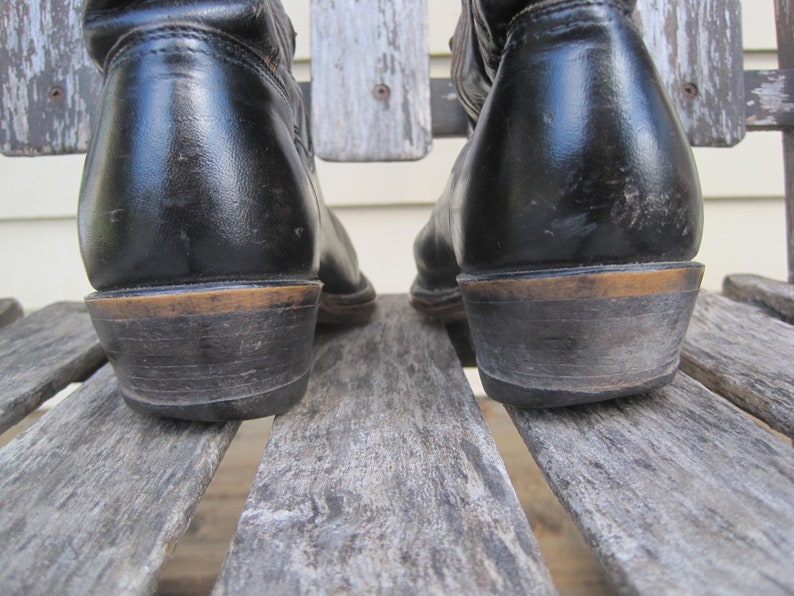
x=385 y=477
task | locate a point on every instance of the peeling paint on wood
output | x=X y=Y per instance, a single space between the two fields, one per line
x=48 y=86
x=769 y=98
x=697 y=47
x=371 y=80
x=784 y=14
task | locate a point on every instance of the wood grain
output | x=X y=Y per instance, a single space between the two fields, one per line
x=197 y=559
x=768 y=94
x=784 y=17
x=745 y=355
x=48 y=86
x=777 y=297
x=697 y=48
x=384 y=478
x=41 y=354
x=370 y=80
x=692 y=42
x=675 y=491
x=96 y=496
x=768 y=104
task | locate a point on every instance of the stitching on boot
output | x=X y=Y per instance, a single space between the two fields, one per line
x=548 y=8
x=234 y=53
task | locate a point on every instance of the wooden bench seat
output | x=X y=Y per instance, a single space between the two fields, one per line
x=385 y=477
x=41 y=355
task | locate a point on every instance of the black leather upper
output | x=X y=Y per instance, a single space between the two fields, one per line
x=200 y=167
x=577 y=157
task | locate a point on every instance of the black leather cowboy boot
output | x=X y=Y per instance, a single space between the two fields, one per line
x=201 y=222
x=571 y=215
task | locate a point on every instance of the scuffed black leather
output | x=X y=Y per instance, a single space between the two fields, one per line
x=577 y=157
x=477 y=46
x=200 y=166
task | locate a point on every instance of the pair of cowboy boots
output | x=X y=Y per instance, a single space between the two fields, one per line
x=564 y=235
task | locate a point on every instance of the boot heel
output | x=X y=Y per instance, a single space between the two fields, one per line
x=209 y=352
x=569 y=336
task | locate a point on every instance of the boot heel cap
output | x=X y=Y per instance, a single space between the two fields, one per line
x=563 y=337
x=209 y=352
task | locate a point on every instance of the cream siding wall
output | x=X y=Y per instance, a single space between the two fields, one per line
x=384 y=205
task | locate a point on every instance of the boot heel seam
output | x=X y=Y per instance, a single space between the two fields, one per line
x=549 y=8
x=234 y=53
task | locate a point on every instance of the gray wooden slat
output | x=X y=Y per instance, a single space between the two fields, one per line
x=449 y=117
x=48 y=87
x=770 y=103
x=95 y=496
x=41 y=52
x=370 y=80
x=784 y=15
x=675 y=491
x=384 y=478
x=770 y=98
x=41 y=354
x=744 y=355
x=10 y=311
x=777 y=297
x=697 y=48
x=788 y=160
x=773 y=108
